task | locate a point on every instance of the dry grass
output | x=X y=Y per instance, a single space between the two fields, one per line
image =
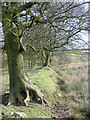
x=73 y=81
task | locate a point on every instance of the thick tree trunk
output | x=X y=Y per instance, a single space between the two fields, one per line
x=47 y=59
x=16 y=70
x=21 y=91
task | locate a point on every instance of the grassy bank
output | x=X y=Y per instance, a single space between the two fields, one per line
x=65 y=87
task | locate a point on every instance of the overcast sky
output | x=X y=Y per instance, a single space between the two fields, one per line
x=84 y=34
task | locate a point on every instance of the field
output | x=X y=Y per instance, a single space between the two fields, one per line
x=64 y=85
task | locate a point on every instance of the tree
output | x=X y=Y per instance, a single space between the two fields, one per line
x=16 y=18
x=21 y=90
x=37 y=40
x=65 y=20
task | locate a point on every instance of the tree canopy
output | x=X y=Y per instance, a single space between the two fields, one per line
x=59 y=25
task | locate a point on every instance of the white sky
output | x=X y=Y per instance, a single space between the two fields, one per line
x=84 y=35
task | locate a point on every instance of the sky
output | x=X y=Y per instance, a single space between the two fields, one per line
x=84 y=35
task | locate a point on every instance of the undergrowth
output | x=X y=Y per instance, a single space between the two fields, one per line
x=65 y=87
x=73 y=80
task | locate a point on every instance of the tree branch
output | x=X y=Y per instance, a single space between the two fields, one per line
x=25 y=6
x=33 y=48
x=66 y=42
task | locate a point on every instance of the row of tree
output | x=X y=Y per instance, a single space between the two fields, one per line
x=42 y=26
x=59 y=28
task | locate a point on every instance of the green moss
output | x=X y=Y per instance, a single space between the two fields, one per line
x=43 y=80
x=33 y=111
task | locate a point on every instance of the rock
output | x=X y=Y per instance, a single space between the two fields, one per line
x=18 y=114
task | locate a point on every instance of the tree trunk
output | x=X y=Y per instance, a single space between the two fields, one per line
x=47 y=59
x=29 y=63
x=21 y=91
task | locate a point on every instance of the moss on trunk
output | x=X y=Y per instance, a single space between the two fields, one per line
x=21 y=91
x=47 y=60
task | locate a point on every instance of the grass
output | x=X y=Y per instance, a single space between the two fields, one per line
x=44 y=80
x=5 y=81
x=64 y=87
x=73 y=79
x=33 y=111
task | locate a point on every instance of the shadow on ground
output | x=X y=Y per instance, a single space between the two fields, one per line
x=4 y=98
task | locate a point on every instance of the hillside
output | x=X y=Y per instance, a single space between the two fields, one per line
x=64 y=86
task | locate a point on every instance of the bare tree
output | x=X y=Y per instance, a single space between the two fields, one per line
x=62 y=25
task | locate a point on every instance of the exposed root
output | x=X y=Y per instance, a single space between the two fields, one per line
x=30 y=93
x=33 y=94
x=26 y=92
x=27 y=98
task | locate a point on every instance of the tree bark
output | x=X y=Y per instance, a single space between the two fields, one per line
x=47 y=59
x=21 y=91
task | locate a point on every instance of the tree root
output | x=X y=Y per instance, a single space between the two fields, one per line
x=25 y=92
x=30 y=93
x=33 y=93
